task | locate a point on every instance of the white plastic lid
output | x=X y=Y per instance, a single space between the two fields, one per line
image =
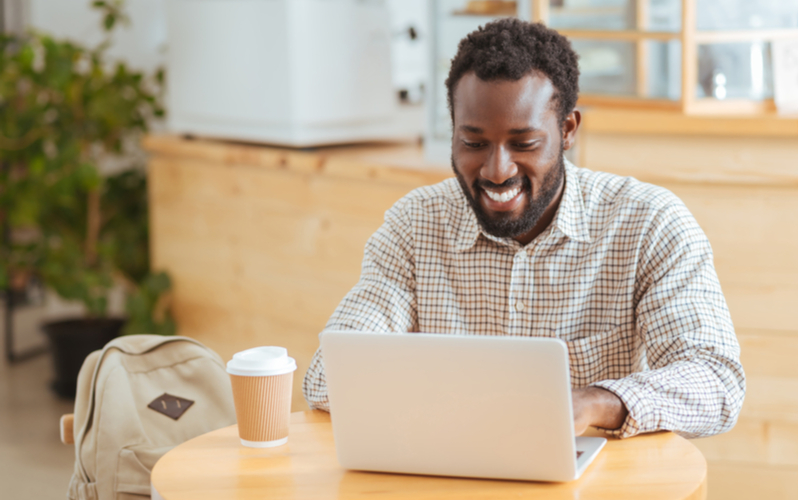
x=260 y=361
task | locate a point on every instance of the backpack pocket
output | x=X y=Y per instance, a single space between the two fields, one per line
x=133 y=471
x=80 y=490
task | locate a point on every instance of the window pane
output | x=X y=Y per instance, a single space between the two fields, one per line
x=606 y=67
x=664 y=15
x=592 y=14
x=610 y=68
x=663 y=62
x=746 y=14
x=735 y=71
x=658 y=15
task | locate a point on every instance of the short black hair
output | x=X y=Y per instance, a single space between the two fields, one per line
x=508 y=49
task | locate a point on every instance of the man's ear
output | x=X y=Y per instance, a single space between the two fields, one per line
x=570 y=128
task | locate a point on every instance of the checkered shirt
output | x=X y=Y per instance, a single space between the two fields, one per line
x=624 y=275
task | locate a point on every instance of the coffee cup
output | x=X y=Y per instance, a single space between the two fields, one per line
x=261 y=379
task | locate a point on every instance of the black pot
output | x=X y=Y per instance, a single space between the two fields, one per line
x=71 y=341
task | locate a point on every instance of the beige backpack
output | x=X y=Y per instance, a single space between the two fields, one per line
x=129 y=395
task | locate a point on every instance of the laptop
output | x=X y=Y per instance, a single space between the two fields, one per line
x=454 y=405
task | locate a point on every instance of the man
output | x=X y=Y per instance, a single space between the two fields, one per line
x=523 y=243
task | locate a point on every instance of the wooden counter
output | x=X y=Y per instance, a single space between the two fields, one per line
x=262 y=244
x=667 y=123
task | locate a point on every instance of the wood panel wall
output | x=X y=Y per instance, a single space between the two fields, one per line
x=263 y=243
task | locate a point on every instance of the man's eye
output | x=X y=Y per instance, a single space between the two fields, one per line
x=473 y=144
x=526 y=145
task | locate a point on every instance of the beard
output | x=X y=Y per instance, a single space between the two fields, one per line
x=505 y=224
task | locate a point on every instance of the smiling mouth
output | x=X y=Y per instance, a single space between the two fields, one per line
x=504 y=196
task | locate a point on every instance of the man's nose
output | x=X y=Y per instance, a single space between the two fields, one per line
x=499 y=166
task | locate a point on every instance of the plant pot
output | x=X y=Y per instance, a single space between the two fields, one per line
x=71 y=341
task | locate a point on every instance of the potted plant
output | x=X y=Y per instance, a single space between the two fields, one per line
x=65 y=111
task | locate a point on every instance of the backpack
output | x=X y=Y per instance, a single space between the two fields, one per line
x=138 y=398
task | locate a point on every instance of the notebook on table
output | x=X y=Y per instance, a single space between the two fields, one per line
x=454 y=405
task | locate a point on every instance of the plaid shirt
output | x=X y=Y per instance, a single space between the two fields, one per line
x=624 y=275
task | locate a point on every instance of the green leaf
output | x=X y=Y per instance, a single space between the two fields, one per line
x=156 y=284
x=108 y=21
x=141 y=307
x=37 y=166
x=166 y=327
x=88 y=176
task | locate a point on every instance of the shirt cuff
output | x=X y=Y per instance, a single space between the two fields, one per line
x=640 y=411
x=320 y=406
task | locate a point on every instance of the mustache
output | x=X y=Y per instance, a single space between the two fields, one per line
x=484 y=184
x=513 y=181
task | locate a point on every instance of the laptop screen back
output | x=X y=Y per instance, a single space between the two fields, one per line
x=453 y=405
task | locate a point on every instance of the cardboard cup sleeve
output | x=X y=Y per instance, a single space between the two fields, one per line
x=263 y=405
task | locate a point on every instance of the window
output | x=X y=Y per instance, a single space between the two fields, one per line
x=698 y=56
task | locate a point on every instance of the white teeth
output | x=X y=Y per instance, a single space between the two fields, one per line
x=502 y=197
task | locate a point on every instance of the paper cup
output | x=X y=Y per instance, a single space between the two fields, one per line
x=261 y=379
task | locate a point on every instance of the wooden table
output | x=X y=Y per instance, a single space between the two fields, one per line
x=215 y=466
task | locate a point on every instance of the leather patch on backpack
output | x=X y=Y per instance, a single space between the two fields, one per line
x=171 y=406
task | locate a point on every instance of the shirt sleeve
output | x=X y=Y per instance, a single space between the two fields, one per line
x=383 y=300
x=695 y=385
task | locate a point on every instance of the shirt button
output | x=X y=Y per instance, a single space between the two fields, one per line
x=519 y=306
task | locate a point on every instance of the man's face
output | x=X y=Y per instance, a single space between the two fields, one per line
x=508 y=152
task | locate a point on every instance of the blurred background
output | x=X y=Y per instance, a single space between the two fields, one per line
x=213 y=169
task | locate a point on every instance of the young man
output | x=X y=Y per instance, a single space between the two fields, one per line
x=524 y=243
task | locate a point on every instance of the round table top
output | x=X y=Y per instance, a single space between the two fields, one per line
x=216 y=466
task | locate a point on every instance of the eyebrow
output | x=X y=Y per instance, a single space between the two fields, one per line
x=470 y=128
x=518 y=131
x=513 y=131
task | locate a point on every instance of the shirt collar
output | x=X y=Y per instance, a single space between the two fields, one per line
x=570 y=217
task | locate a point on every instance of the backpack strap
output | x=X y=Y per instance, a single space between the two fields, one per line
x=131 y=345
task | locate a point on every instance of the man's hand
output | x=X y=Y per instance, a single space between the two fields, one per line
x=593 y=406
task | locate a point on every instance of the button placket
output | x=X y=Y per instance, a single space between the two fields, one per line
x=530 y=306
x=516 y=298
x=537 y=266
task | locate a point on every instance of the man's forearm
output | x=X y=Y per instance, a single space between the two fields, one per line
x=610 y=412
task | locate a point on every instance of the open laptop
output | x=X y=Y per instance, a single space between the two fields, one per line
x=454 y=405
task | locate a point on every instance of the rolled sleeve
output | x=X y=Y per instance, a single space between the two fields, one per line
x=695 y=384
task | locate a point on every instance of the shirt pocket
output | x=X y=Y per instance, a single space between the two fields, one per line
x=599 y=357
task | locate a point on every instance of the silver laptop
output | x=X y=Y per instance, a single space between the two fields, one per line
x=454 y=405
